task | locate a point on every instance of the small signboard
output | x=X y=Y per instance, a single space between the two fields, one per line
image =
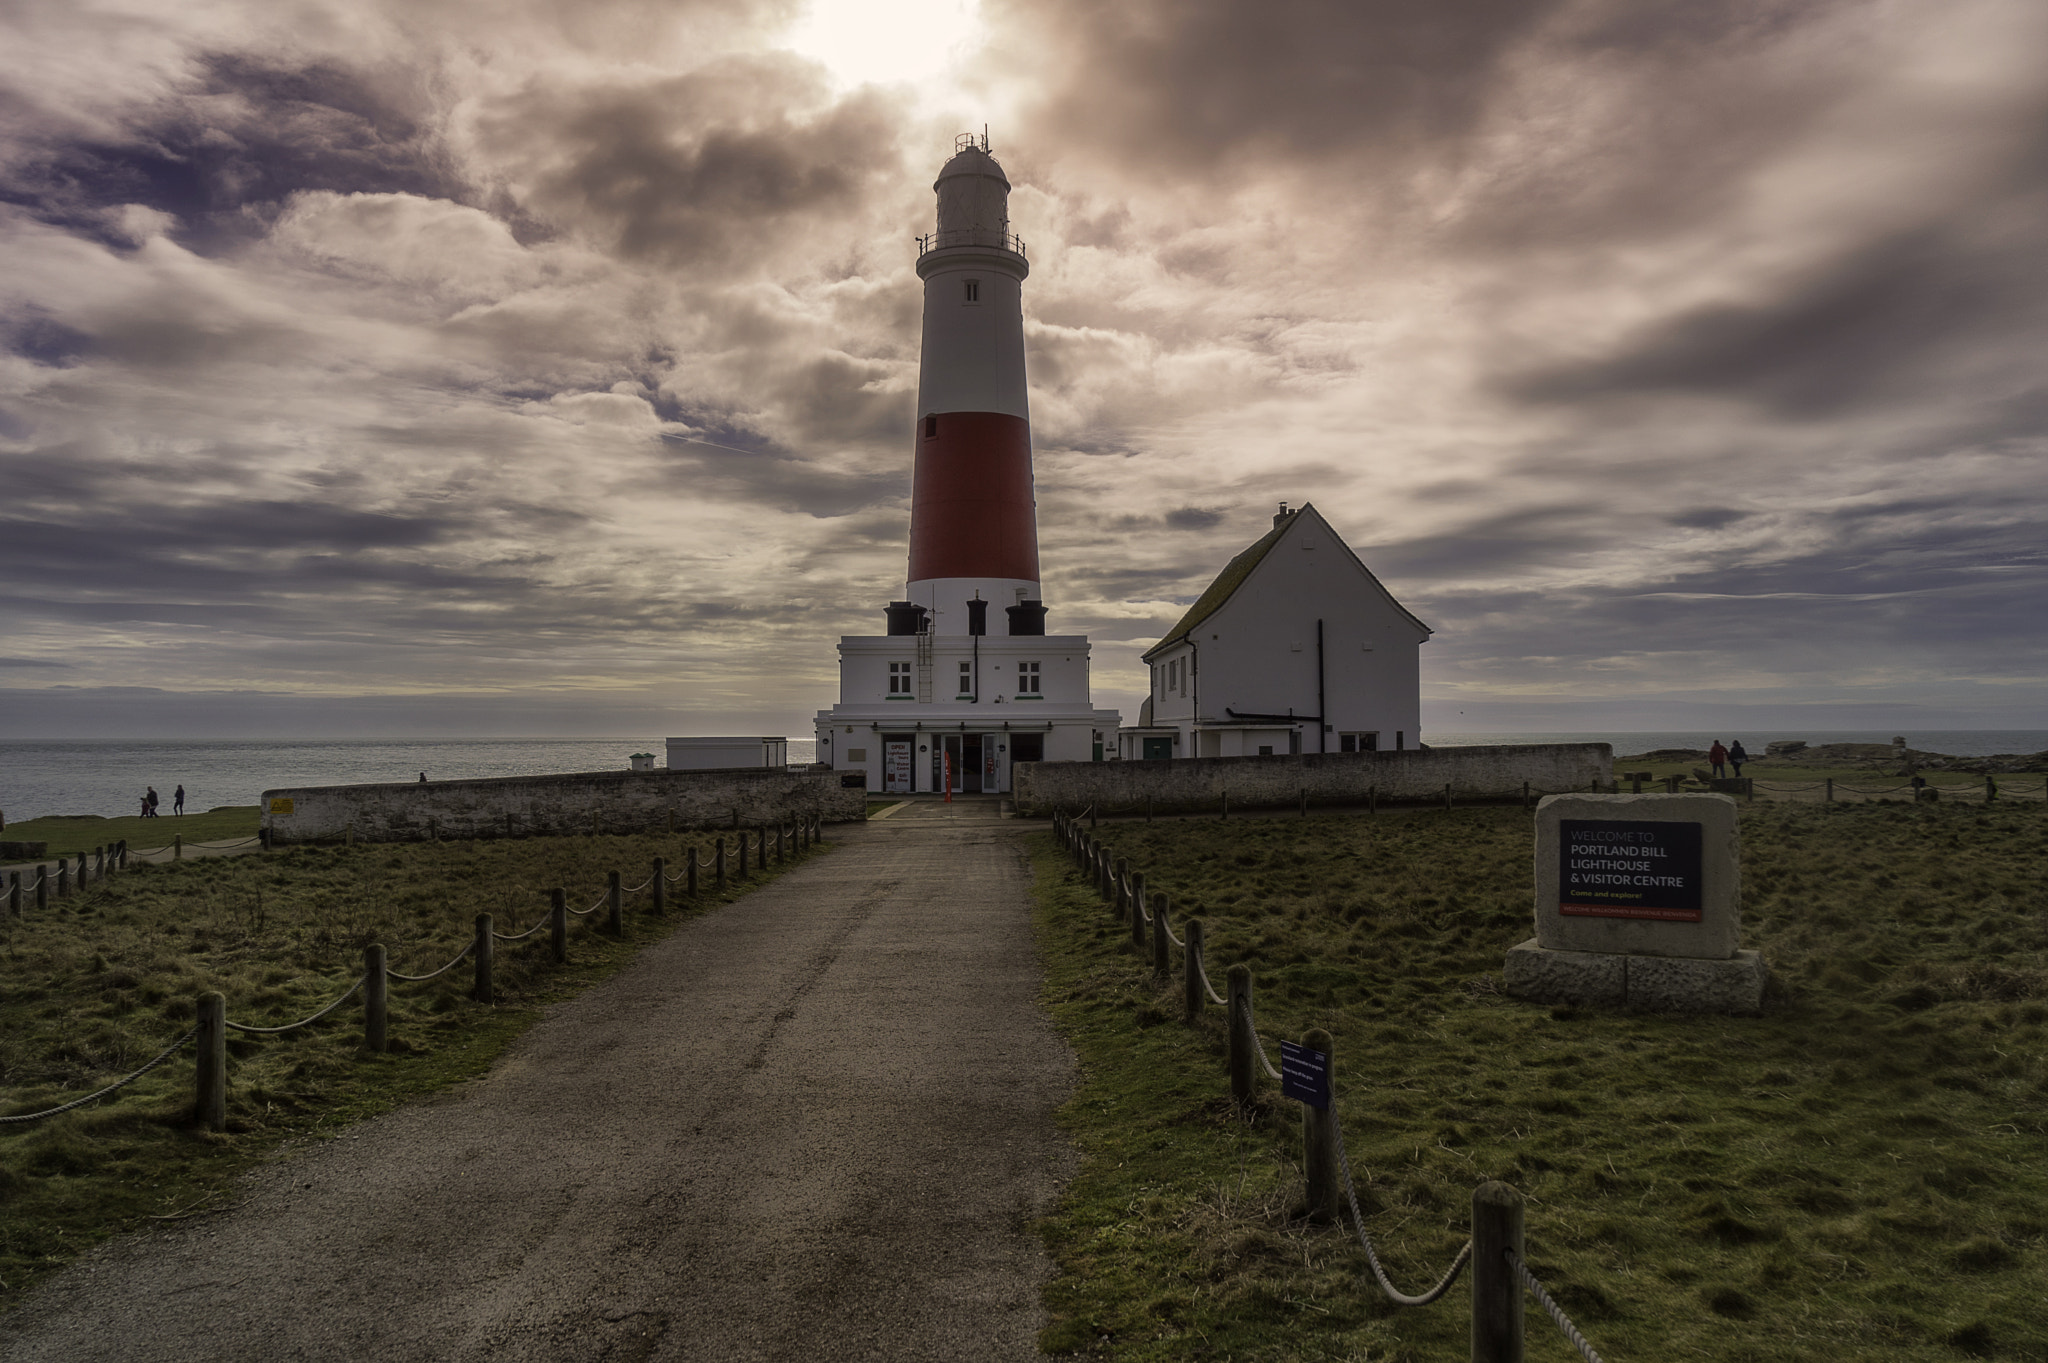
x=1304 y=1074
x=280 y=804
x=1624 y=868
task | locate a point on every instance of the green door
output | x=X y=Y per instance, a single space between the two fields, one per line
x=1158 y=749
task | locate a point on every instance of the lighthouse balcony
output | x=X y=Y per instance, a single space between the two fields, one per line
x=971 y=236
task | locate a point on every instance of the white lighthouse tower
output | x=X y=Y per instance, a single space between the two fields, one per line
x=939 y=702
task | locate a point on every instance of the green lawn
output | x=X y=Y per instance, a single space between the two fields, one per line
x=68 y=835
x=1861 y=1173
x=104 y=980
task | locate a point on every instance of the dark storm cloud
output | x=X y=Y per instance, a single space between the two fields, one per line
x=233 y=144
x=775 y=478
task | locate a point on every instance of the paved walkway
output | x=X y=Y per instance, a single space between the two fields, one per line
x=813 y=1124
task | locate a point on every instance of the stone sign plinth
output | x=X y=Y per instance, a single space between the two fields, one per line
x=1638 y=904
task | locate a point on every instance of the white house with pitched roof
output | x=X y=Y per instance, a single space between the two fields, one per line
x=1295 y=647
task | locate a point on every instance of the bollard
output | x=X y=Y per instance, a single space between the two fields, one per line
x=376 y=1000
x=1137 y=900
x=1319 y=1142
x=1496 y=1295
x=42 y=888
x=1243 y=1074
x=1525 y=794
x=1191 y=968
x=210 y=1086
x=721 y=863
x=486 y=946
x=558 y=924
x=660 y=905
x=690 y=870
x=99 y=854
x=124 y=853
x=63 y=877
x=263 y=839
x=615 y=904
x=1372 y=799
x=177 y=847
x=1162 y=964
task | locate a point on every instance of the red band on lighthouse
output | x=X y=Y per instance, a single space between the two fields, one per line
x=972 y=511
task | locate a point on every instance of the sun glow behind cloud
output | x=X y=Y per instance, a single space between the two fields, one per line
x=913 y=42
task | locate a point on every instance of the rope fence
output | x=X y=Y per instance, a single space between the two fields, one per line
x=1307 y=1073
x=789 y=838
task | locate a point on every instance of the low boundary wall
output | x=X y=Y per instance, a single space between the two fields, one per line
x=582 y=802
x=1412 y=777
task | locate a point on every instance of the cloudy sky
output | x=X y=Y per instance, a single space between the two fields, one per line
x=434 y=366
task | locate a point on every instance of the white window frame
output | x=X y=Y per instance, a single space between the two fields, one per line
x=1029 y=680
x=899 y=679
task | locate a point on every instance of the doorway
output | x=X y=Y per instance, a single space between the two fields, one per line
x=1158 y=749
x=896 y=766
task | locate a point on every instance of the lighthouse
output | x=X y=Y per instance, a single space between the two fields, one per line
x=966 y=682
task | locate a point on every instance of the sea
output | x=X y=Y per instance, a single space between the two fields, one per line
x=107 y=777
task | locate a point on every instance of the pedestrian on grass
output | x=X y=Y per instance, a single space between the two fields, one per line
x=178 y=802
x=1717 y=756
x=1737 y=756
x=149 y=803
x=145 y=806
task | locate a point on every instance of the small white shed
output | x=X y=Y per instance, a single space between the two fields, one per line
x=708 y=754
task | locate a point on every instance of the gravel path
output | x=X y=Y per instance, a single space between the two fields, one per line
x=814 y=1124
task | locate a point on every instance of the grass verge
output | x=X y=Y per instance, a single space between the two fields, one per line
x=104 y=980
x=70 y=834
x=1861 y=1173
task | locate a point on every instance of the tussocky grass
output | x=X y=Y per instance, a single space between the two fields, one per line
x=70 y=834
x=1859 y=1173
x=104 y=980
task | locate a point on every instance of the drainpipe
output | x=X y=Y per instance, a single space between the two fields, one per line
x=1322 y=710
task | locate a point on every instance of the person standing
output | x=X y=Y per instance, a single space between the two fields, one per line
x=178 y=800
x=1737 y=756
x=1717 y=757
x=149 y=802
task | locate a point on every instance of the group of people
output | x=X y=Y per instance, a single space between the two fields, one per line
x=1722 y=758
x=149 y=802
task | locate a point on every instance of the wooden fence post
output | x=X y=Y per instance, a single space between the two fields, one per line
x=761 y=848
x=14 y=894
x=210 y=1088
x=558 y=923
x=1828 y=796
x=124 y=854
x=780 y=829
x=743 y=857
x=99 y=854
x=1372 y=799
x=719 y=880
x=1135 y=894
x=1990 y=789
x=508 y=827
x=42 y=888
x=1191 y=968
x=1319 y=1141
x=1525 y=794
x=1496 y=1295
x=615 y=904
x=1244 y=1076
x=1447 y=795
x=376 y=1000
x=63 y=877
x=690 y=870
x=486 y=950
x=177 y=847
x=1162 y=964
x=660 y=885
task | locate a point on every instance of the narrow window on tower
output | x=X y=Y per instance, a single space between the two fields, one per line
x=1027 y=679
x=931 y=427
x=974 y=290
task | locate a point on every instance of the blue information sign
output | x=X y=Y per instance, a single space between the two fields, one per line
x=1304 y=1074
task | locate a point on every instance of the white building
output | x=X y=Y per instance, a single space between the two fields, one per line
x=1295 y=647
x=938 y=702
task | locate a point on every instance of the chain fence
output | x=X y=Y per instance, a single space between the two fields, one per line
x=791 y=838
x=1495 y=1316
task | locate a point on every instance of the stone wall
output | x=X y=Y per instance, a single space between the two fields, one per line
x=1414 y=777
x=518 y=806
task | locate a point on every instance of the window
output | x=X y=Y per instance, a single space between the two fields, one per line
x=967 y=679
x=1358 y=742
x=1265 y=749
x=931 y=427
x=974 y=290
x=1183 y=665
x=899 y=679
x=1027 y=679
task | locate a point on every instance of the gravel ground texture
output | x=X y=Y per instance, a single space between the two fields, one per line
x=814 y=1124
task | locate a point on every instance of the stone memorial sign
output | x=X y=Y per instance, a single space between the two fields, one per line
x=1638 y=903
